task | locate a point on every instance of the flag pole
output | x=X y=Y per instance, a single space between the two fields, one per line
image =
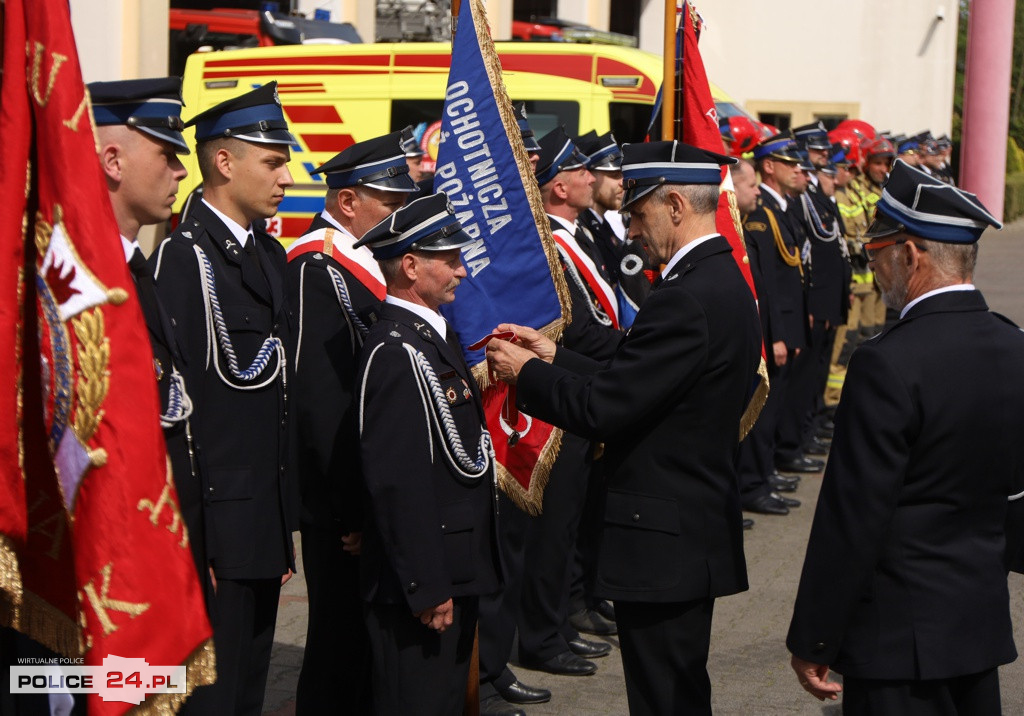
x=456 y=4
x=668 y=80
x=471 y=704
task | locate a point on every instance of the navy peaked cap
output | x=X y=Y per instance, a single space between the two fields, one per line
x=781 y=146
x=805 y=161
x=410 y=146
x=647 y=166
x=255 y=116
x=603 y=153
x=529 y=140
x=812 y=136
x=558 y=153
x=921 y=205
x=427 y=224
x=378 y=163
x=152 y=106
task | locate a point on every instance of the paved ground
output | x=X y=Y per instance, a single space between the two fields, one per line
x=749 y=663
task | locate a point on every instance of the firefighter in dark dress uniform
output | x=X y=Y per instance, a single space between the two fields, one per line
x=332 y=284
x=429 y=547
x=221 y=279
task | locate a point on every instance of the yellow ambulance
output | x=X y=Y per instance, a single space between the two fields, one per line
x=335 y=95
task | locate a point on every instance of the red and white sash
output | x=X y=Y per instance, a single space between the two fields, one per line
x=589 y=272
x=337 y=243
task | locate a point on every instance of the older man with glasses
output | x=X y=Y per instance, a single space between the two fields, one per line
x=904 y=587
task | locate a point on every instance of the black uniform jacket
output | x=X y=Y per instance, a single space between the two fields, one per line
x=667 y=406
x=829 y=289
x=785 y=309
x=242 y=437
x=328 y=341
x=904 y=576
x=430 y=533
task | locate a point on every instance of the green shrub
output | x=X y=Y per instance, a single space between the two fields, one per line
x=1014 y=157
x=1014 y=204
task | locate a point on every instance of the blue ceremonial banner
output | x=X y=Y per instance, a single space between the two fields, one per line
x=512 y=267
x=513 y=270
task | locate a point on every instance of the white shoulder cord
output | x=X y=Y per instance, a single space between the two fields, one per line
x=179 y=405
x=814 y=221
x=215 y=324
x=345 y=301
x=599 y=315
x=440 y=417
x=362 y=401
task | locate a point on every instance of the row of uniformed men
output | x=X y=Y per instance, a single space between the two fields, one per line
x=807 y=198
x=263 y=347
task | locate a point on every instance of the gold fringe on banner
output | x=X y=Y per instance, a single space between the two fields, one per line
x=10 y=578
x=200 y=670
x=508 y=119
x=530 y=501
x=38 y=619
x=757 y=402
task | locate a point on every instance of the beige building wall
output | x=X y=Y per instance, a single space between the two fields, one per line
x=589 y=12
x=120 y=39
x=890 y=63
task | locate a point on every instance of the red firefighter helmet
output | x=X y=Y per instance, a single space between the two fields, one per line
x=742 y=134
x=850 y=142
x=865 y=130
x=880 y=147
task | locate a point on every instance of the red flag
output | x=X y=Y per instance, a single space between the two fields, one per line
x=105 y=566
x=14 y=112
x=700 y=129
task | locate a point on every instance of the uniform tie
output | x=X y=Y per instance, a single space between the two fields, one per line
x=138 y=266
x=250 y=248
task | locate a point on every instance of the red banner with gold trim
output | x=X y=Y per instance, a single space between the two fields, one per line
x=700 y=129
x=105 y=567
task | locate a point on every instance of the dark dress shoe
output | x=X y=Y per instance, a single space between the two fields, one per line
x=780 y=484
x=590 y=621
x=765 y=505
x=589 y=649
x=787 y=501
x=564 y=664
x=605 y=609
x=519 y=693
x=788 y=479
x=494 y=705
x=800 y=464
x=747 y=523
x=815 y=448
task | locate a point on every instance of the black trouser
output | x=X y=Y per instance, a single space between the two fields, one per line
x=794 y=419
x=665 y=656
x=824 y=364
x=757 y=451
x=335 y=676
x=544 y=631
x=971 y=695
x=500 y=612
x=243 y=636
x=415 y=669
x=588 y=542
